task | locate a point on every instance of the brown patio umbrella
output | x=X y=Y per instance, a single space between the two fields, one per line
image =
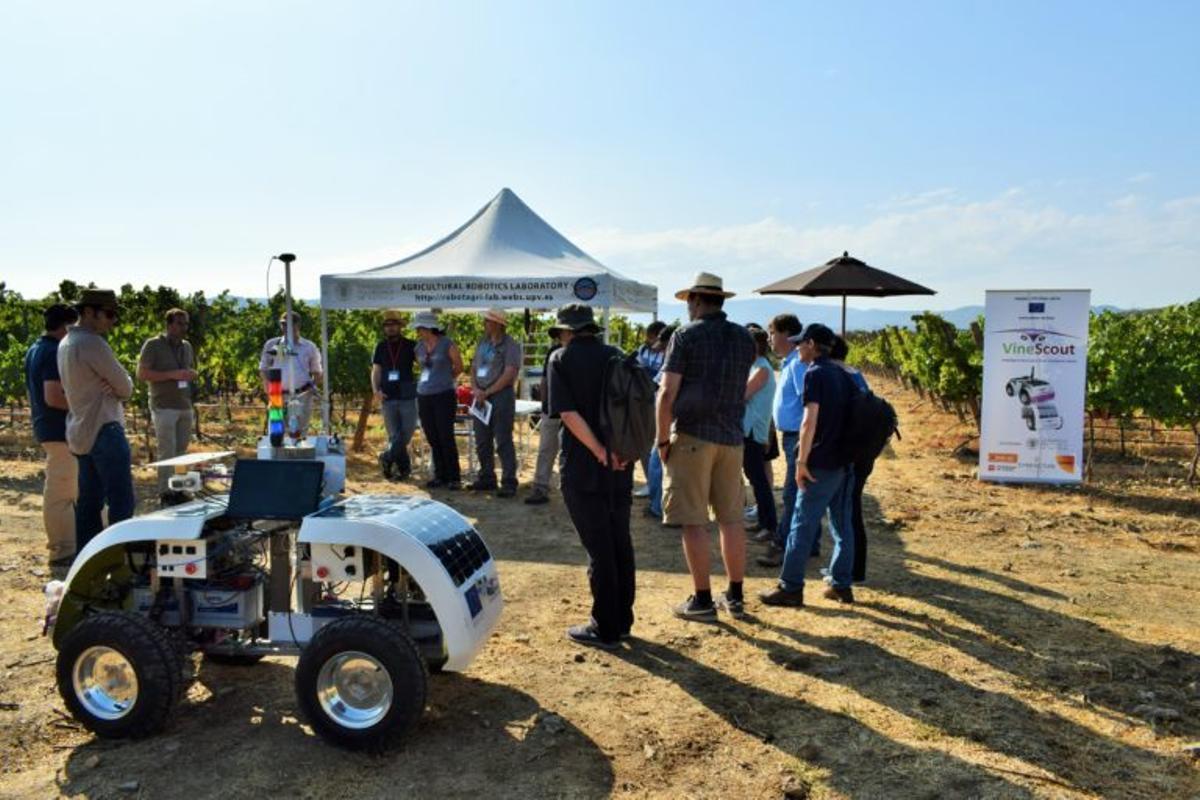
x=845 y=276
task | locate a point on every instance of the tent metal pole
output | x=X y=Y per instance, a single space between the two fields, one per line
x=604 y=323
x=843 y=316
x=325 y=372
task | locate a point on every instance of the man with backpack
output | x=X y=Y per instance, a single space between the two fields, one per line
x=701 y=404
x=823 y=474
x=596 y=481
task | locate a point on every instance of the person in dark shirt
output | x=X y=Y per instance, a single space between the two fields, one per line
x=701 y=403
x=825 y=480
x=862 y=468
x=48 y=408
x=596 y=486
x=396 y=390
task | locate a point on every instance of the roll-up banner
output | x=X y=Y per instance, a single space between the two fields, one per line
x=1034 y=385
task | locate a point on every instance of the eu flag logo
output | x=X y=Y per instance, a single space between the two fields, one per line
x=1037 y=308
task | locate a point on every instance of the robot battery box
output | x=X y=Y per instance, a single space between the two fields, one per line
x=184 y=558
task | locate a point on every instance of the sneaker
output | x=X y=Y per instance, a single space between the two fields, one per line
x=434 y=483
x=764 y=536
x=642 y=492
x=838 y=595
x=480 y=486
x=734 y=608
x=773 y=557
x=506 y=491
x=587 y=635
x=385 y=466
x=537 y=497
x=693 y=611
x=749 y=513
x=452 y=486
x=780 y=596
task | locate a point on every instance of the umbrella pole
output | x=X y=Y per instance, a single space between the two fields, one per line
x=843 y=316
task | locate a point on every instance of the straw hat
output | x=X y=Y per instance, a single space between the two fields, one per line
x=392 y=315
x=425 y=319
x=705 y=283
x=497 y=316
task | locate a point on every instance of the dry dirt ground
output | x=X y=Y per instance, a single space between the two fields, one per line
x=1012 y=642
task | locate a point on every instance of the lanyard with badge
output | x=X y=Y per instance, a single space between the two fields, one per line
x=177 y=354
x=487 y=352
x=393 y=375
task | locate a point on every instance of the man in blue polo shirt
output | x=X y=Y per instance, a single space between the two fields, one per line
x=787 y=411
x=823 y=472
x=48 y=408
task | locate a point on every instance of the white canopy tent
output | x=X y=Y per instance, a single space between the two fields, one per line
x=505 y=256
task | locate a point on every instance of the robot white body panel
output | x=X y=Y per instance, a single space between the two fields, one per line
x=429 y=540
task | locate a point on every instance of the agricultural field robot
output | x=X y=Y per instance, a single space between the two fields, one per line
x=371 y=592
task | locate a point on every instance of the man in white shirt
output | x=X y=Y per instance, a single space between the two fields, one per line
x=300 y=367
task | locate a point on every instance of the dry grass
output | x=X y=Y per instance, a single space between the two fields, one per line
x=1012 y=642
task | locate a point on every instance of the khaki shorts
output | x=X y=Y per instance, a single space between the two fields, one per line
x=701 y=476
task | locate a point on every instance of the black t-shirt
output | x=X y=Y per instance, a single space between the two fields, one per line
x=41 y=365
x=827 y=385
x=396 y=359
x=576 y=377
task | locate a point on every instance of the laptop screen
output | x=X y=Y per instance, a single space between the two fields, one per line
x=282 y=489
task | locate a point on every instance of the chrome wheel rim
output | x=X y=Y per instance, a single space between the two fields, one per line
x=354 y=690
x=106 y=683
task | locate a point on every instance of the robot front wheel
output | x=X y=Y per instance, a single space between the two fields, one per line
x=360 y=680
x=120 y=674
x=1008 y=389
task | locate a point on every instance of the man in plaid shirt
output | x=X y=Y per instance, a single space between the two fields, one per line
x=701 y=402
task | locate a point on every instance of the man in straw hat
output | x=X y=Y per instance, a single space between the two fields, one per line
x=701 y=402
x=96 y=386
x=396 y=391
x=596 y=486
x=494 y=376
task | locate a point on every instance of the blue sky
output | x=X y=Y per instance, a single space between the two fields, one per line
x=966 y=145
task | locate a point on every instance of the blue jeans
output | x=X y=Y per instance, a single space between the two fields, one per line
x=790 y=440
x=400 y=419
x=833 y=490
x=105 y=476
x=654 y=481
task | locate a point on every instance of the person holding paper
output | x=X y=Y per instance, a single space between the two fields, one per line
x=493 y=378
x=167 y=363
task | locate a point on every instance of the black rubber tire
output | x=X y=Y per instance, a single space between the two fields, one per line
x=155 y=661
x=1023 y=396
x=233 y=659
x=390 y=646
x=1029 y=423
x=1008 y=390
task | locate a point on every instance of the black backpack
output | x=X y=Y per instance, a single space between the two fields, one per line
x=870 y=422
x=627 y=408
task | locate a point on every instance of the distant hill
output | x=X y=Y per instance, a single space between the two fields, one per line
x=761 y=309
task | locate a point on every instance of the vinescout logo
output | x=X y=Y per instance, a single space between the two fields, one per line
x=1032 y=342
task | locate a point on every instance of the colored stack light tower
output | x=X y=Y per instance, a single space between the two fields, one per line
x=275 y=421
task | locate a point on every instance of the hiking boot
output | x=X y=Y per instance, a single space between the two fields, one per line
x=434 y=483
x=780 y=596
x=588 y=636
x=537 y=497
x=480 y=486
x=772 y=558
x=693 y=611
x=840 y=595
x=734 y=608
x=385 y=466
x=506 y=491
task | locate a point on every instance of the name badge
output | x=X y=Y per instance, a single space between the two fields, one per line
x=182 y=384
x=482 y=372
x=393 y=376
x=424 y=376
